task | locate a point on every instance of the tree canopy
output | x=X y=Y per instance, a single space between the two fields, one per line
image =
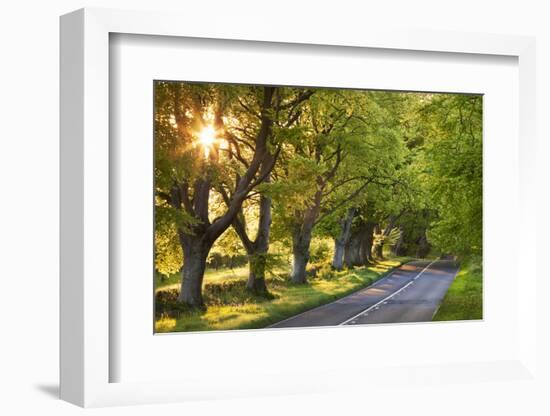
x=240 y=170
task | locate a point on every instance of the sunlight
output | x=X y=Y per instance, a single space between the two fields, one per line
x=207 y=136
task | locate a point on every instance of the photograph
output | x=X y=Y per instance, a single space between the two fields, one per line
x=280 y=206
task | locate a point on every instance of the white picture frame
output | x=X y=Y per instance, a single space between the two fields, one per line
x=85 y=355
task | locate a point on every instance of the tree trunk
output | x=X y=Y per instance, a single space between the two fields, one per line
x=377 y=248
x=396 y=248
x=352 y=251
x=366 y=246
x=299 y=264
x=378 y=252
x=301 y=239
x=257 y=249
x=342 y=240
x=257 y=256
x=256 y=274
x=423 y=245
x=338 y=258
x=195 y=252
x=196 y=244
x=358 y=249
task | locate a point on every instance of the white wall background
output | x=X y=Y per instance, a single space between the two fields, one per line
x=29 y=205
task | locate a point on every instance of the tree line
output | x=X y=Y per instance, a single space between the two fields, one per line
x=366 y=169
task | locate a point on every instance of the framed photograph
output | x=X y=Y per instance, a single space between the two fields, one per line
x=241 y=212
x=286 y=207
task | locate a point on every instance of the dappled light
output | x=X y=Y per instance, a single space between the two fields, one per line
x=271 y=201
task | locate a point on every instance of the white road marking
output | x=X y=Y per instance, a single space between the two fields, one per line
x=375 y=284
x=377 y=305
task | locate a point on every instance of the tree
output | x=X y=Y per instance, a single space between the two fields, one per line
x=358 y=248
x=188 y=167
x=367 y=169
x=343 y=239
x=454 y=171
x=385 y=197
x=337 y=156
x=287 y=108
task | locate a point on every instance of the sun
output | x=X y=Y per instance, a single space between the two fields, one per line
x=207 y=136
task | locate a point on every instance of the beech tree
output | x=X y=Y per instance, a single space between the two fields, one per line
x=366 y=168
x=358 y=247
x=343 y=238
x=188 y=118
x=332 y=163
x=287 y=109
x=386 y=188
x=454 y=171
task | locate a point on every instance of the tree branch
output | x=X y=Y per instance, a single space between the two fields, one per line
x=164 y=196
x=303 y=96
x=367 y=182
x=243 y=186
x=330 y=174
x=248 y=109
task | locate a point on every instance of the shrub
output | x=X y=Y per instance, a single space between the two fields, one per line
x=229 y=293
x=320 y=250
x=167 y=305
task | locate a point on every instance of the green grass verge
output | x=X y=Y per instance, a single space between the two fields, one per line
x=234 y=308
x=210 y=276
x=464 y=299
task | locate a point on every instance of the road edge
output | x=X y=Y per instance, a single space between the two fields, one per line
x=382 y=276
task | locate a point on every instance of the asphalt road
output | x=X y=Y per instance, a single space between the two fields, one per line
x=411 y=293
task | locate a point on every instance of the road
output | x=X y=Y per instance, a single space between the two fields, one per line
x=411 y=293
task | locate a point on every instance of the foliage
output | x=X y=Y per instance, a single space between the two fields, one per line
x=168 y=254
x=231 y=293
x=320 y=250
x=464 y=299
x=381 y=239
x=409 y=163
x=238 y=309
x=454 y=171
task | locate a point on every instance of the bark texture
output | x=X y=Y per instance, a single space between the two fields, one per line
x=301 y=240
x=258 y=248
x=342 y=240
x=366 y=246
x=197 y=239
x=397 y=248
x=358 y=249
x=195 y=252
x=423 y=245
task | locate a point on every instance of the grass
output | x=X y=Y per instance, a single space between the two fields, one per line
x=210 y=276
x=230 y=306
x=464 y=299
